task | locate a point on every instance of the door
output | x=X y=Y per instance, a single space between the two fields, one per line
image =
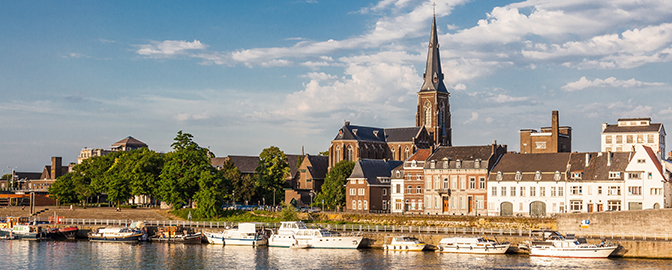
x=470 y=204
x=537 y=209
x=445 y=205
x=590 y=208
x=599 y=208
x=506 y=209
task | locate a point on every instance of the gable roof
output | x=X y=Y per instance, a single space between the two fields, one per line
x=462 y=152
x=402 y=134
x=653 y=158
x=130 y=141
x=599 y=165
x=374 y=134
x=318 y=166
x=371 y=169
x=245 y=164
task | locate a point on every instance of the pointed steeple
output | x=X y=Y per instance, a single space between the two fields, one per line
x=433 y=75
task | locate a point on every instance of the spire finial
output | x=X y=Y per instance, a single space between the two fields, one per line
x=434 y=8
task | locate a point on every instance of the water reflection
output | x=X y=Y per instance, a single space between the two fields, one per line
x=92 y=255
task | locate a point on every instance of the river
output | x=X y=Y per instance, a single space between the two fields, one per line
x=25 y=254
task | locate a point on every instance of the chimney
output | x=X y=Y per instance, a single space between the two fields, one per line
x=347 y=123
x=555 y=131
x=604 y=126
x=56 y=165
x=609 y=158
x=587 y=159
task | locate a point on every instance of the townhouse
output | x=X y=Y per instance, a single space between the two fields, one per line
x=368 y=187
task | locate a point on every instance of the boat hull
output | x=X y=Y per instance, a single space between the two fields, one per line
x=192 y=239
x=129 y=238
x=496 y=249
x=598 y=252
x=336 y=242
x=220 y=239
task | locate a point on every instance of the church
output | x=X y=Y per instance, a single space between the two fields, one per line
x=432 y=122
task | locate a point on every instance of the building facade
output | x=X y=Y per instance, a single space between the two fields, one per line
x=368 y=187
x=554 y=139
x=308 y=180
x=628 y=132
x=414 y=184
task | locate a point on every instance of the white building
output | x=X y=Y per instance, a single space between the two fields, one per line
x=645 y=184
x=596 y=182
x=397 y=190
x=622 y=137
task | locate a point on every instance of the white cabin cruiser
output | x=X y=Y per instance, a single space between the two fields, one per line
x=296 y=234
x=245 y=235
x=554 y=244
x=477 y=245
x=405 y=243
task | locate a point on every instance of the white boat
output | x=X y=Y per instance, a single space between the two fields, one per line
x=405 y=243
x=477 y=245
x=295 y=233
x=31 y=232
x=554 y=244
x=133 y=233
x=245 y=235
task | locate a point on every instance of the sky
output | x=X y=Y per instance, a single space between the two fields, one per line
x=241 y=76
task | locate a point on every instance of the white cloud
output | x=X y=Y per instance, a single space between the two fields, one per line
x=612 y=82
x=321 y=76
x=666 y=111
x=474 y=117
x=460 y=87
x=168 y=48
x=277 y=63
x=504 y=98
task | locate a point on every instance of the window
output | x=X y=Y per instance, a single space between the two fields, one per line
x=650 y=175
x=418 y=189
x=533 y=191
x=522 y=191
x=407 y=206
x=359 y=205
x=599 y=190
x=641 y=161
x=353 y=181
x=619 y=138
x=463 y=182
x=519 y=176
x=577 y=175
x=481 y=182
x=366 y=205
x=412 y=204
x=556 y=177
x=576 y=190
x=419 y=204
x=561 y=191
x=635 y=175
x=635 y=190
x=452 y=202
x=436 y=202
x=354 y=205
x=614 y=191
x=537 y=176
x=453 y=182
x=650 y=139
x=542 y=191
x=640 y=138
x=499 y=176
x=472 y=182
x=480 y=202
x=656 y=191
x=540 y=145
x=384 y=192
x=408 y=177
x=458 y=164
x=503 y=191
x=349 y=155
x=361 y=181
x=428 y=184
x=418 y=177
x=614 y=175
x=361 y=191
x=353 y=192
x=608 y=139
x=513 y=191
x=477 y=163
x=494 y=191
x=445 y=164
x=629 y=139
x=384 y=204
x=397 y=204
x=576 y=205
x=398 y=188
x=462 y=203
x=445 y=183
x=562 y=207
x=432 y=164
x=409 y=189
x=614 y=205
x=553 y=194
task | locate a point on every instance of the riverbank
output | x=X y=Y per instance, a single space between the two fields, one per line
x=92 y=212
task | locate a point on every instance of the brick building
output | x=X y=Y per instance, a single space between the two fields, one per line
x=368 y=187
x=553 y=139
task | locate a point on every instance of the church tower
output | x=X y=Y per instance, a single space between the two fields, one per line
x=433 y=106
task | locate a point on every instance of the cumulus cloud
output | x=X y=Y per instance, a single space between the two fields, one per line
x=168 y=48
x=321 y=76
x=474 y=117
x=612 y=82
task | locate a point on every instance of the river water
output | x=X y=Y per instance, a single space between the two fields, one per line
x=25 y=254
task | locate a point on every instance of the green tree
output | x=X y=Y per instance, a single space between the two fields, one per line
x=144 y=170
x=272 y=173
x=242 y=186
x=6 y=176
x=333 y=189
x=63 y=190
x=324 y=154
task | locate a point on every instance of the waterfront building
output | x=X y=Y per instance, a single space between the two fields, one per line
x=368 y=187
x=528 y=184
x=553 y=139
x=645 y=182
x=397 y=190
x=628 y=132
x=455 y=179
x=413 y=184
x=308 y=180
x=596 y=182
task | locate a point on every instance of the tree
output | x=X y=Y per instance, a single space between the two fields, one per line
x=6 y=176
x=333 y=189
x=242 y=186
x=63 y=190
x=272 y=172
x=144 y=171
x=324 y=154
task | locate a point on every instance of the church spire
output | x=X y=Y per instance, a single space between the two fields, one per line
x=433 y=76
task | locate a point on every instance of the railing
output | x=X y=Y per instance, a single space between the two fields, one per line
x=361 y=228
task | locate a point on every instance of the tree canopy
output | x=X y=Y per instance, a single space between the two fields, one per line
x=272 y=172
x=333 y=189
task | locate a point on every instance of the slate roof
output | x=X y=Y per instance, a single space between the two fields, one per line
x=371 y=169
x=363 y=133
x=28 y=175
x=652 y=127
x=245 y=164
x=130 y=141
x=597 y=168
x=319 y=166
x=467 y=154
x=293 y=164
x=529 y=164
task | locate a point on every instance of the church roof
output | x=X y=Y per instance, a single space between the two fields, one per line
x=433 y=77
x=130 y=141
x=363 y=133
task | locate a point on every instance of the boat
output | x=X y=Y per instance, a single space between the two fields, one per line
x=133 y=233
x=554 y=244
x=63 y=233
x=404 y=243
x=477 y=245
x=177 y=234
x=245 y=235
x=295 y=233
x=28 y=231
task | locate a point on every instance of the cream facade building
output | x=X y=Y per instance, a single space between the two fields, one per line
x=628 y=132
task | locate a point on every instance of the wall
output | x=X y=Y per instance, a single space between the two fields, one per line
x=638 y=223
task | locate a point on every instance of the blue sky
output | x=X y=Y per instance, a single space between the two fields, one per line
x=243 y=75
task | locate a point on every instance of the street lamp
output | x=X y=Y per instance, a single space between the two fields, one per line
x=312 y=192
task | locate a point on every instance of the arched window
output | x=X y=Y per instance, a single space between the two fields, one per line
x=441 y=123
x=338 y=154
x=537 y=176
x=394 y=157
x=556 y=177
x=519 y=176
x=428 y=114
x=348 y=155
x=406 y=153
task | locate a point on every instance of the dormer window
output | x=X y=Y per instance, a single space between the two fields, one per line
x=477 y=163
x=519 y=176
x=614 y=175
x=499 y=176
x=458 y=164
x=556 y=177
x=432 y=164
x=375 y=133
x=398 y=174
x=445 y=164
x=354 y=131
x=414 y=164
x=537 y=176
x=577 y=175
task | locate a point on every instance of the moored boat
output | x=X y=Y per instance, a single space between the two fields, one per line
x=133 y=233
x=554 y=244
x=295 y=233
x=246 y=234
x=405 y=243
x=177 y=234
x=64 y=233
x=30 y=232
x=477 y=245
